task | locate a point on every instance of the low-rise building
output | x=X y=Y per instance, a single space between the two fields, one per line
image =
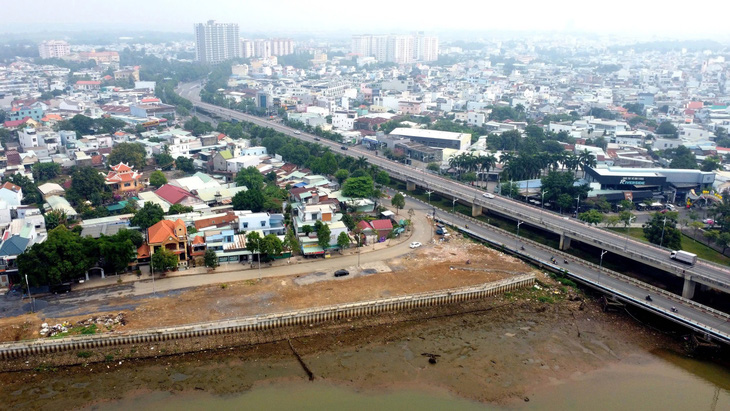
x=173 y=236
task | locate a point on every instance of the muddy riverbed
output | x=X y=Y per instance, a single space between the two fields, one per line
x=500 y=352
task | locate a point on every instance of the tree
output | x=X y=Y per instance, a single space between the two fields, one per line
x=509 y=189
x=197 y=127
x=251 y=178
x=564 y=201
x=210 y=259
x=185 y=164
x=723 y=240
x=307 y=229
x=682 y=158
x=164 y=259
x=291 y=242
x=63 y=257
x=158 y=179
x=661 y=229
x=398 y=201
x=343 y=241
x=696 y=225
x=323 y=234
x=179 y=209
x=359 y=187
x=45 y=171
x=253 y=244
x=594 y=217
x=711 y=163
x=348 y=221
x=435 y=167
x=164 y=161
x=271 y=245
x=116 y=252
x=88 y=184
x=711 y=236
x=132 y=154
x=54 y=218
x=612 y=220
x=249 y=200
x=341 y=175
x=148 y=216
x=667 y=128
x=382 y=178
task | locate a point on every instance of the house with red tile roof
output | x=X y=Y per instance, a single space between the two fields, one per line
x=226 y=220
x=123 y=179
x=172 y=235
x=382 y=227
x=11 y=193
x=198 y=247
x=176 y=195
x=87 y=85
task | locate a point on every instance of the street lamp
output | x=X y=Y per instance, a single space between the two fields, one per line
x=453 y=204
x=519 y=223
x=601 y=265
x=663 y=226
x=577 y=206
x=542 y=196
x=429 y=196
x=32 y=304
x=627 y=231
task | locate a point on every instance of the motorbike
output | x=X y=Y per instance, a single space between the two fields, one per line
x=648 y=298
x=565 y=261
x=674 y=309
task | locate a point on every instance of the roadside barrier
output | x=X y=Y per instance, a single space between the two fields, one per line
x=269 y=321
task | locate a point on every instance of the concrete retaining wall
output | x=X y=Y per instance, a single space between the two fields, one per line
x=264 y=323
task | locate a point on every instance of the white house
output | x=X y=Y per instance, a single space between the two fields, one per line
x=11 y=194
x=237 y=164
x=265 y=222
x=28 y=138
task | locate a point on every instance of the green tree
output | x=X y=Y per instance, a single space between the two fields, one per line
x=509 y=189
x=271 y=245
x=132 y=154
x=348 y=221
x=179 y=209
x=253 y=244
x=45 y=171
x=185 y=164
x=341 y=175
x=307 y=229
x=612 y=221
x=323 y=234
x=54 y=218
x=723 y=240
x=343 y=241
x=594 y=217
x=251 y=178
x=210 y=259
x=164 y=161
x=358 y=187
x=291 y=242
x=710 y=163
x=158 y=179
x=564 y=201
x=666 y=128
x=164 y=259
x=398 y=201
x=148 y=216
x=88 y=184
x=382 y=178
x=116 y=252
x=63 y=257
x=711 y=236
x=682 y=158
x=435 y=167
x=249 y=200
x=653 y=229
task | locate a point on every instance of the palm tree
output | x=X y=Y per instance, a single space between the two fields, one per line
x=586 y=159
x=361 y=162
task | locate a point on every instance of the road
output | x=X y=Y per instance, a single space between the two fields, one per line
x=703 y=272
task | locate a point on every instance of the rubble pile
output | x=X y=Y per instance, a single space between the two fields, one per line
x=51 y=330
x=108 y=321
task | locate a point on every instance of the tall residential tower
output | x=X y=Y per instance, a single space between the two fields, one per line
x=216 y=42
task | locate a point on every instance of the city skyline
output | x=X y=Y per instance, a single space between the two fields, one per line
x=623 y=17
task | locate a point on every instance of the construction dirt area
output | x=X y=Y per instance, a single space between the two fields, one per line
x=432 y=267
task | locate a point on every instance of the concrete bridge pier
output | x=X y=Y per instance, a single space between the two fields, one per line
x=688 y=291
x=410 y=185
x=476 y=210
x=564 y=242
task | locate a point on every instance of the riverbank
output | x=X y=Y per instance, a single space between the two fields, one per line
x=495 y=351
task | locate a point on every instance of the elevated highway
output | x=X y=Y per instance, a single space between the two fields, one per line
x=703 y=272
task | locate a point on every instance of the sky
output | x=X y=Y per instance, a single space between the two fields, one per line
x=641 y=18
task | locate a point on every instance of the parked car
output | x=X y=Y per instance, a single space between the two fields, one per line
x=488 y=195
x=708 y=221
x=341 y=273
x=343 y=147
x=415 y=244
x=316 y=139
x=297 y=132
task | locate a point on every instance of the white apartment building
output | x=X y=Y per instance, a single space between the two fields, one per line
x=426 y=48
x=216 y=42
x=28 y=138
x=396 y=48
x=400 y=49
x=54 y=49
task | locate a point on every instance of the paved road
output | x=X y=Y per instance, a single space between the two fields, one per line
x=703 y=272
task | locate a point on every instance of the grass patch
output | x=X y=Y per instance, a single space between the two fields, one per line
x=84 y=354
x=546 y=299
x=688 y=244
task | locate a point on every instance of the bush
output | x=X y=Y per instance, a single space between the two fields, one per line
x=84 y=354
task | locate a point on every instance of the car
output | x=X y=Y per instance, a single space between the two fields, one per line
x=341 y=273
x=708 y=221
x=415 y=244
x=297 y=132
x=403 y=194
x=316 y=139
x=488 y=195
x=343 y=147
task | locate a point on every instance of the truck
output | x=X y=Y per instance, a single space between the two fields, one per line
x=684 y=257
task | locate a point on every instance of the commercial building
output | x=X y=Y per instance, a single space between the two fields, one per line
x=638 y=183
x=54 y=49
x=216 y=42
x=434 y=138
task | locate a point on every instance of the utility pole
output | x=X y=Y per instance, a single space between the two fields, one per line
x=542 y=201
x=32 y=303
x=519 y=223
x=663 y=226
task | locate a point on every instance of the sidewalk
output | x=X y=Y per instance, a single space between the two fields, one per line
x=127 y=278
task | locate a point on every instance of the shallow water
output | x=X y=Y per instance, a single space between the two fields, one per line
x=657 y=381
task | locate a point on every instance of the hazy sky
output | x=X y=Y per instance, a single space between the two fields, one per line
x=707 y=18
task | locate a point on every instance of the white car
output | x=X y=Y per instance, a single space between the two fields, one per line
x=297 y=132
x=488 y=195
x=415 y=244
